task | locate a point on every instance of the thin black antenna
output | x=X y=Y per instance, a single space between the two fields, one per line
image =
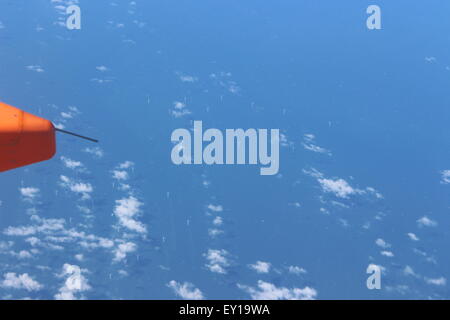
x=76 y=135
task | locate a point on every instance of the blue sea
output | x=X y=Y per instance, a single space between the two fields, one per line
x=364 y=163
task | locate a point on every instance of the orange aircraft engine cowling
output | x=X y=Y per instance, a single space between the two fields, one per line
x=24 y=138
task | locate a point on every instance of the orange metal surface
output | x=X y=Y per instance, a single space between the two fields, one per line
x=24 y=138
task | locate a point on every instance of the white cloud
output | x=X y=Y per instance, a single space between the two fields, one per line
x=179 y=114
x=124 y=187
x=74 y=109
x=79 y=257
x=309 y=137
x=96 y=151
x=125 y=165
x=186 y=290
x=84 y=189
x=187 y=78
x=217 y=260
x=426 y=222
x=437 y=281
x=387 y=254
x=126 y=209
x=296 y=270
x=122 y=249
x=54 y=234
x=120 y=175
x=309 y=145
x=268 y=291
x=67 y=115
x=339 y=187
x=101 y=81
x=284 y=141
x=215 y=208
x=445 y=176
x=317 y=149
x=179 y=109
x=35 y=68
x=75 y=283
x=23 y=254
x=43 y=226
x=29 y=193
x=218 y=221
x=260 y=267
x=22 y=281
x=412 y=236
x=214 y=232
x=71 y=164
x=383 y=244
x=101 y=68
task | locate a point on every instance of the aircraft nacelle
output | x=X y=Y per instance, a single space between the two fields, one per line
x=24 y=138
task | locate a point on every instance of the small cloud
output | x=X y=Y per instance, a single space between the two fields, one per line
x=120 y=175
x=187 y=78
x=126 y=210
x=445 y=176
x=23 y=254
x=338 y=187
x=296 y=270
x=22 y=281
x=125 y=165
x=268 y=291
x=29 y=193
x=383 y=244
x=102 y=68
x=96 y=151
x=387 y=254
x=71 y=164
x=79 y=257
x=84 y=189
x=284 y=141
x=179 y=109
x=261 y=267
x=67 y=115
x=218 y=221
x=309 y=144
x=123 y=249
x=36 y=68
x=426 y=222
x=412 y=236
x=214 y=232
x=215 y=208
x=437 y=281
x=186 y=290
x=217 y=260
x=101 y=81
